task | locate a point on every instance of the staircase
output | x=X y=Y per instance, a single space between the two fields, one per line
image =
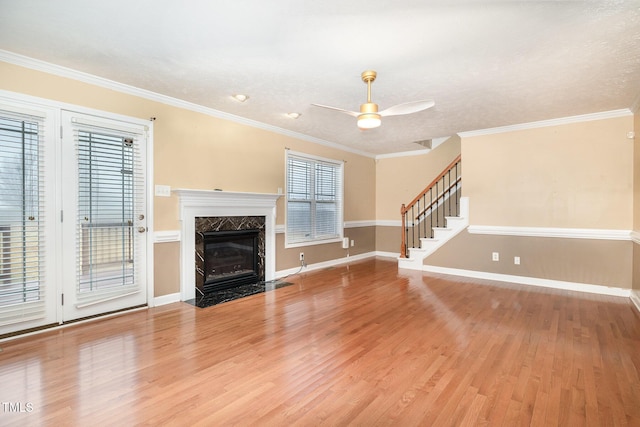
x=435 y=216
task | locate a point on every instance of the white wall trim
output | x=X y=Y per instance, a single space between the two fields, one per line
x=389 y=223
x=532 y=281
x=34 y=64
x=280 y=228
x=358 y=224
x=166 y=299
x=635 y=237
x=635 y=299
x=382 y=254
x=320 y=265
x=546 y=123
x=566 y=233
x=166 y=236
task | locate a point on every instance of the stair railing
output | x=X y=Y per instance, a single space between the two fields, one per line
x=439 y=199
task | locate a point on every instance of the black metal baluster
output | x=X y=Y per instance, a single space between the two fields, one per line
x=431 y=212
x=437 y=205
x=418 y=219
x=413 y=228
x=449 y=192
x=457 y=192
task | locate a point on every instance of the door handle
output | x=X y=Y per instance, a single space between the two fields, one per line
x=142 y=229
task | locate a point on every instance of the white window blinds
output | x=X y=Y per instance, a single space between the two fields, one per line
x=314 y=199
x=22 y=217
x=110 y=182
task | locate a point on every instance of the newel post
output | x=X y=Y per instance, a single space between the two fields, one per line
x=403 y=244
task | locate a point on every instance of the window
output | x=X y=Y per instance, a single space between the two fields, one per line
x=25 y=292
x=314 y=199
x=105 y=211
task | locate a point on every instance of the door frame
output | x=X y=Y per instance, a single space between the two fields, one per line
x=109 y=122
x=56 y=138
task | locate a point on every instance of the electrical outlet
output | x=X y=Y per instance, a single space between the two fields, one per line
x=301 y=256
x=353 y=243
x=495 y=256
x=516 y=260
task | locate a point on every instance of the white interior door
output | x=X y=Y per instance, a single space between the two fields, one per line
x=104 y=207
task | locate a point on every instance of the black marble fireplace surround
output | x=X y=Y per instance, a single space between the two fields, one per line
x=226 y=238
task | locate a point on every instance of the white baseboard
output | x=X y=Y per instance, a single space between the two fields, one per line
x=166 y=299
x=311 y=267
x=394 y=255
x=635 y=299
x=532 y=281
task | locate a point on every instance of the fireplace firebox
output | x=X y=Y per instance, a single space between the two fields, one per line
x=230 y=259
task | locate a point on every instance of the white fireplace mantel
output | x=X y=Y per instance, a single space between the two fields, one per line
x=211 y=203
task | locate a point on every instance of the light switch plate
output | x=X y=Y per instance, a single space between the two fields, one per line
x=163 y=191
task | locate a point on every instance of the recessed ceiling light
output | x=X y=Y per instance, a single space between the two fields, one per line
x=294 y=115
x=240 y=97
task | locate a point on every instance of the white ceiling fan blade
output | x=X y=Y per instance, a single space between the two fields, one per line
x=407 y=108
x=351 y=113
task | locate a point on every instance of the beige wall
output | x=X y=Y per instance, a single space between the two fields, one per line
x=363 y=238
x=198 y=151
x=165 y=273
x=388 y=239
x=400 y=179
x=576 y=175
x=589 y=261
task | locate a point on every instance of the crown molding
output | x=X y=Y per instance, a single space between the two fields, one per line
x=546 y=123
x=46 y=67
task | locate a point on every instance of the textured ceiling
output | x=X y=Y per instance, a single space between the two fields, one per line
x=485 y=64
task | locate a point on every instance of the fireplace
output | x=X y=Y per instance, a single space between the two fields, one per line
x=208 y=210
x=230 y=251
x=230 y=259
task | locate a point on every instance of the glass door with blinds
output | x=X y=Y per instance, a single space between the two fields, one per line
x=27 y=219
x=104 y=215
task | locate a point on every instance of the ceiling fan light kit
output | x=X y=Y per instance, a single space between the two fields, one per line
x=369 y=121
x=369 y=117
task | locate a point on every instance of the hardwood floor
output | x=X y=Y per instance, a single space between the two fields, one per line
x=361 y=344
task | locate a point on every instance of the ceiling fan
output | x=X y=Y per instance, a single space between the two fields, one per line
x=369 y=117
